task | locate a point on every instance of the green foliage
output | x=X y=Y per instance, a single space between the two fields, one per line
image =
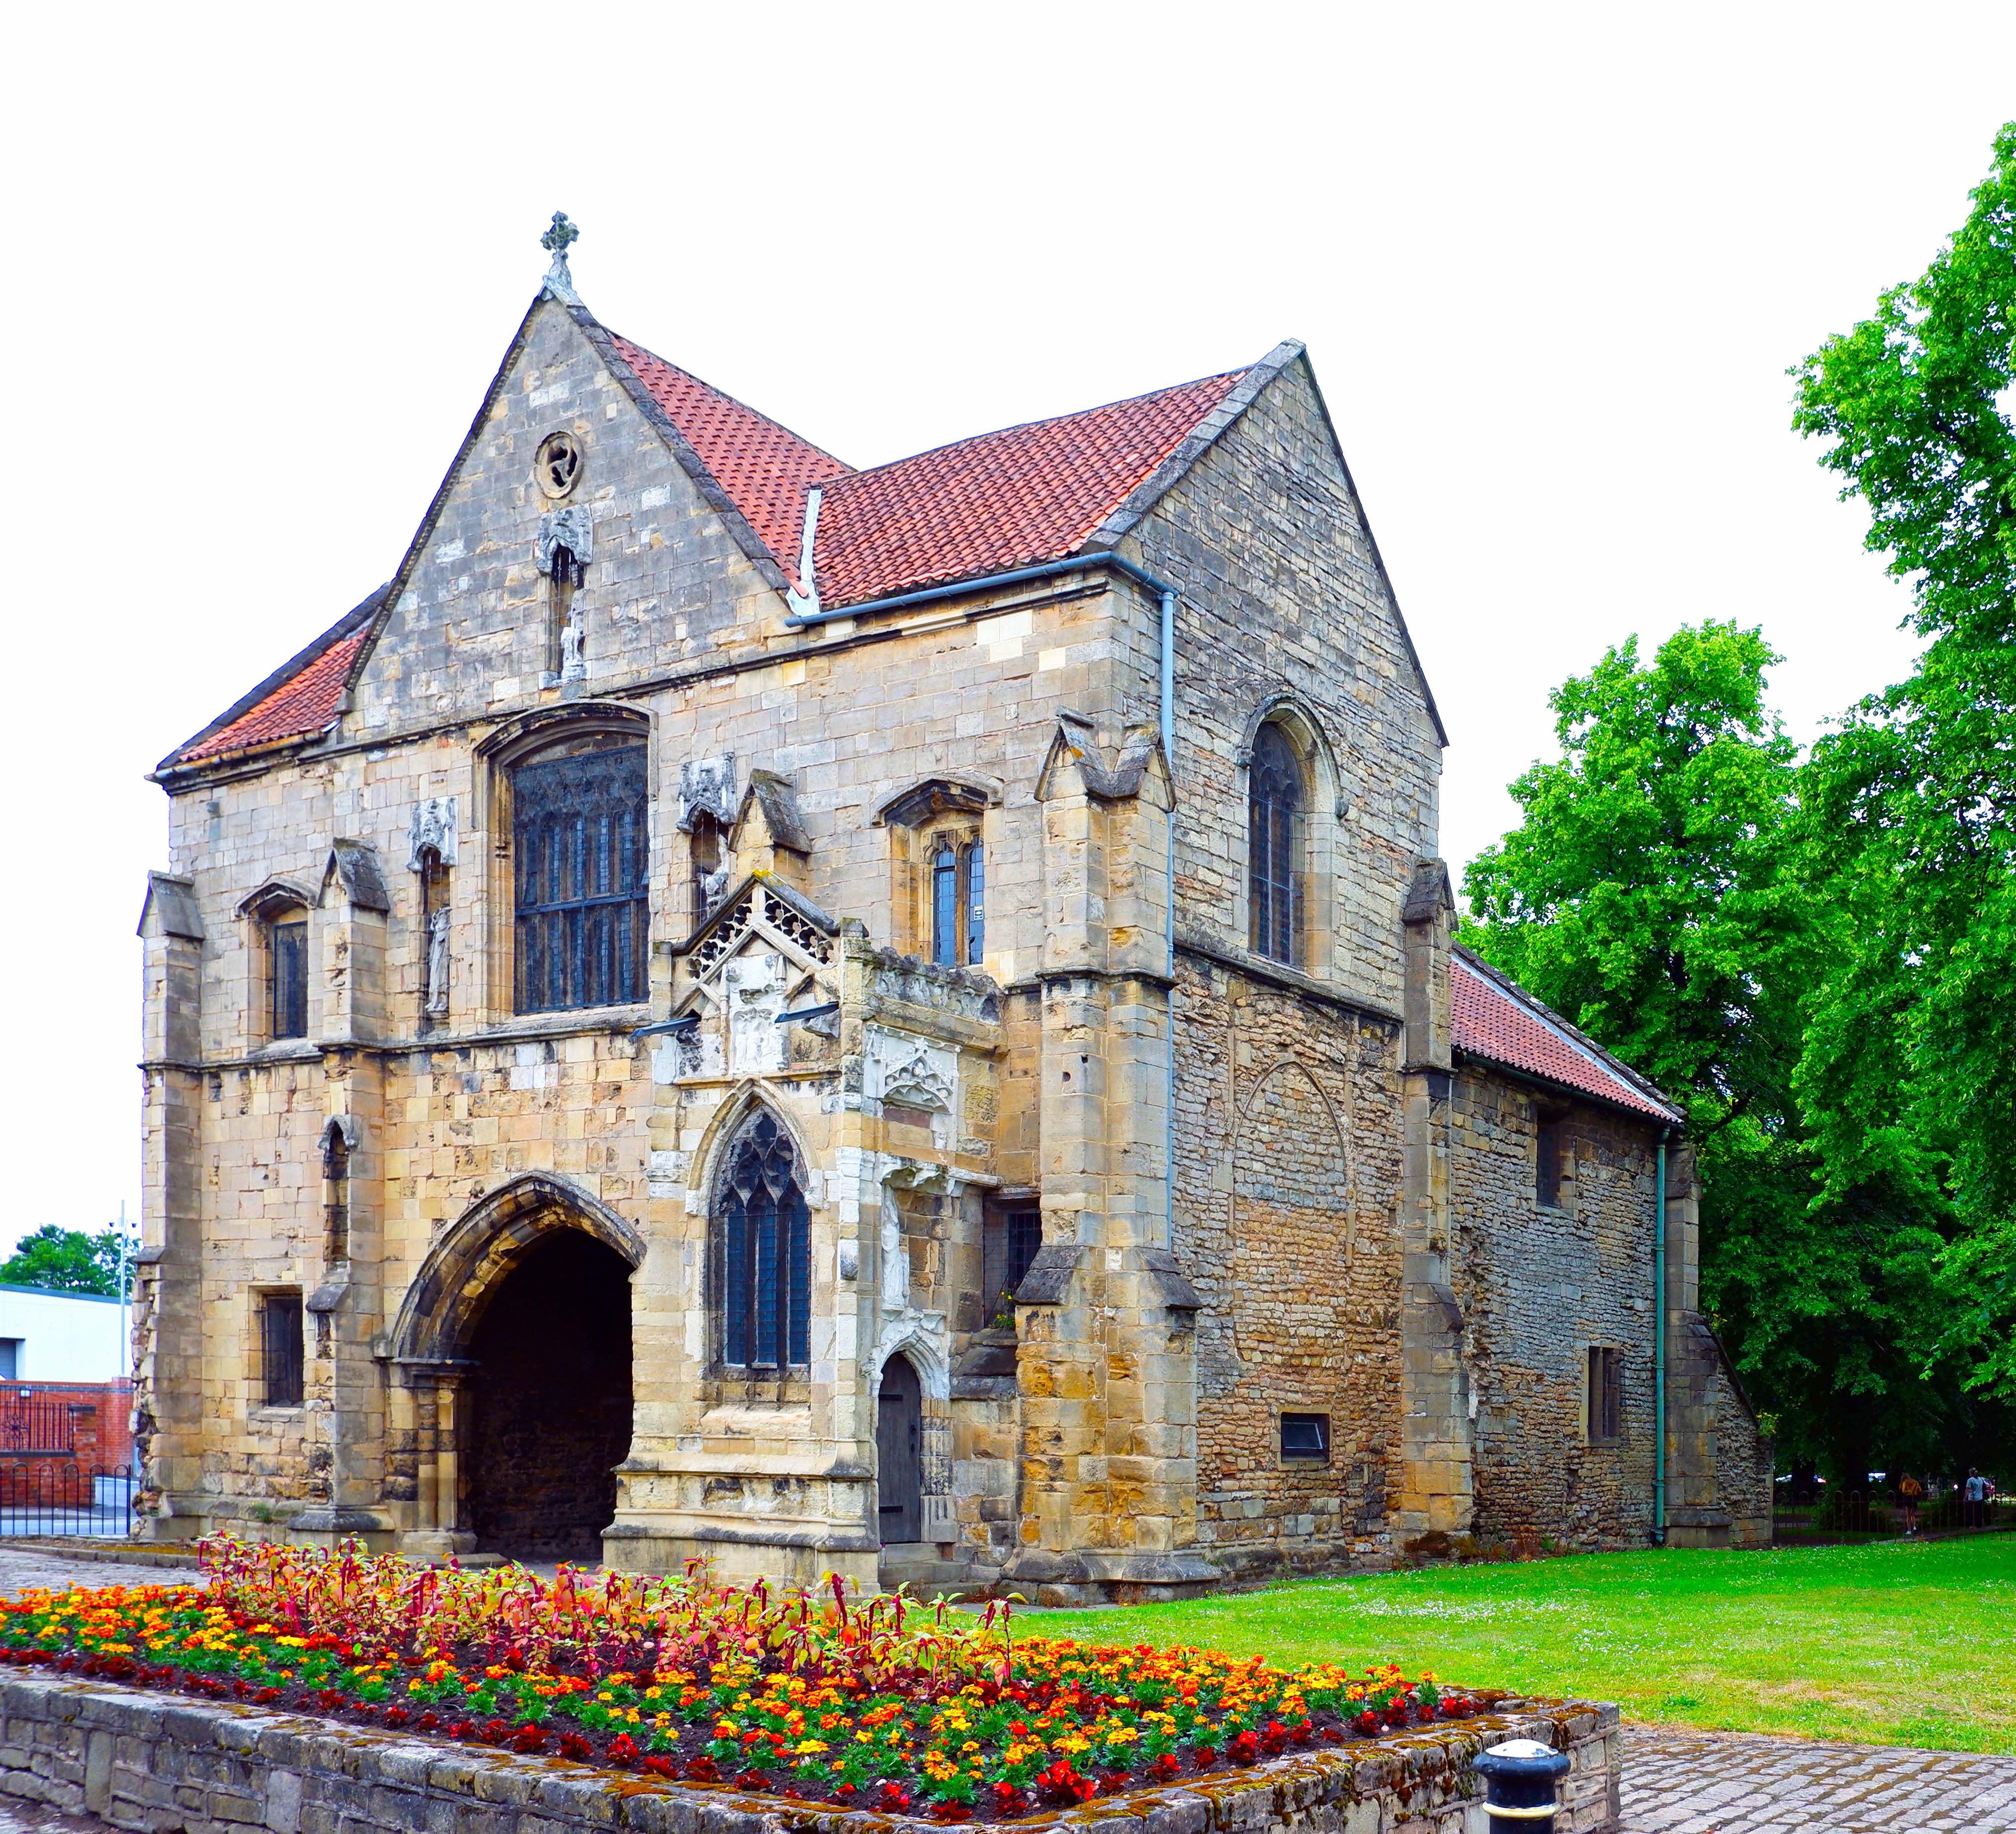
x=1645 y=895
x=1659 y=895
x=66 y=1260
x=1911 y=806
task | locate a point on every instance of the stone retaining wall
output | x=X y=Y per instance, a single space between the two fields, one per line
x=154 y=1764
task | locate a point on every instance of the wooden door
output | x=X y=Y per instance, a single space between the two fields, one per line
x=898 y=1427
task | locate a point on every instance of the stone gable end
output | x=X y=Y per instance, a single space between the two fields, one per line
x=667 y=582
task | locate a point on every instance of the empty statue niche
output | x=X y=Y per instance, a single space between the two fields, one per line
x=550 y=1401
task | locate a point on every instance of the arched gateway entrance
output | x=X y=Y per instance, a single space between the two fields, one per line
x=515 y=1342
x=550 y=1401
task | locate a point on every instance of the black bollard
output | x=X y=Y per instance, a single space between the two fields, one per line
x=1519 y=1780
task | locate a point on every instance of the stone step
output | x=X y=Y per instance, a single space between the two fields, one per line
x=917 y=1565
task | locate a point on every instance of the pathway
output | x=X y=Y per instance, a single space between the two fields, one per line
x=1732 y=1783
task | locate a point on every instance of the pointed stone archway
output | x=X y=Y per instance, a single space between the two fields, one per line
x=513 y=1344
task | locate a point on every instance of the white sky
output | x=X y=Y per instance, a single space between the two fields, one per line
x=1551 y=262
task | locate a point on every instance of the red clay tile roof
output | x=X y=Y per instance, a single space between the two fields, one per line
x=1494 y=1019
x=765 y=468
x=1006 y=499
x=295 y=709
x=1003 y=500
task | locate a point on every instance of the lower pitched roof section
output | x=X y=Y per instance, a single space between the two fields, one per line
x=297 y=700
x=1494 y=1019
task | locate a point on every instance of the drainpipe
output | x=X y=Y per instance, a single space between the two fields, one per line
x=1165 y=594
x=1659 y=1348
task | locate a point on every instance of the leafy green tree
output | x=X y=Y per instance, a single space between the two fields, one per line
x=67 y=1260
x=1909 y=1066
x=1658 y=893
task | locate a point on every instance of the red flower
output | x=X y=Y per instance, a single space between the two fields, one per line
x=573 y=1745
x=1166 y=1767
x=892 y=1798
x=660 y=1765
x=702 y=1770
x=1204 y=1756
x=952 y=1811
x=1009 y=1801
x=1243 y=1749
x=622 y=1751
x=528 y=1738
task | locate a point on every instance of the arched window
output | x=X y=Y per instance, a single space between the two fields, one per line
x=959 y=887
x=1274 y=844
x=765 y=1239
x=579 y=832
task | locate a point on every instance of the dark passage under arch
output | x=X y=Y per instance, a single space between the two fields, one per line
x=550 y=1401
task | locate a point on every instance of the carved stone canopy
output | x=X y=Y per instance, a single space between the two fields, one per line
x=707 y=785
x=572 y=528
x=433 y=825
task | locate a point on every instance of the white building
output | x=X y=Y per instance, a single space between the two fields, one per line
x=51 y=1337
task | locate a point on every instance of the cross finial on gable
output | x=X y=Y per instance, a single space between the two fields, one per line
x=557 y=239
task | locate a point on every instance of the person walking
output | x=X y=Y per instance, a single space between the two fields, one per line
x=1974 y=1500
x=1911 y=1492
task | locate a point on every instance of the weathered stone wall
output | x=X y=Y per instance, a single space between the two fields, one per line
x=155 y=1765
x=1284 y=609
x=1288 y=1146
x=1537 y=1288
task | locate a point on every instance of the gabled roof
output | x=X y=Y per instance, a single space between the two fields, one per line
x=1494 y=1019
x=1044 y=491
x=297 y=700
x=1006 y=499
x=765 y=468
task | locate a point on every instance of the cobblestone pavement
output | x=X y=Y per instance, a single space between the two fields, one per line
x=1725 y=1783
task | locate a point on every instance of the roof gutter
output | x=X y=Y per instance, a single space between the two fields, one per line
x=1165 y=594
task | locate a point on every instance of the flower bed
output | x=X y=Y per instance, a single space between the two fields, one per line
x=875 y=1703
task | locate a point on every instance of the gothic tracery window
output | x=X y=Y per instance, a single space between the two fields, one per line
x=580 y=837
x=765 y=1237
x=1274 y=844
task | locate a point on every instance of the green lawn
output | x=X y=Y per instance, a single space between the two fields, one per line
x=1901 y=1643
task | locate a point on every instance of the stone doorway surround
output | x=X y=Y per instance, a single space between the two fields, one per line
x=437 y=1326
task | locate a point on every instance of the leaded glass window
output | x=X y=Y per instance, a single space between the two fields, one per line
x=958 y=896
x=765 y=1236
x=287 y=966
x=579 y=832
x=1274 y=839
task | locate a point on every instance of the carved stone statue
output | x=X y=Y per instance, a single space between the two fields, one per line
x=572 y=667
x=895 y=1260
x=713 y=888
x=437 y=963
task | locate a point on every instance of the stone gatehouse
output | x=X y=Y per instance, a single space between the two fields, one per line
x=901 y=1021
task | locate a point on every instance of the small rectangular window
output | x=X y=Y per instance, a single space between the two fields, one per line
x=10 y=1359
x=281 y=1348
x=1007 y=1249
x=1305 y=1439
x=287 y=944
x=1547 y=1161
x=1605 y=1395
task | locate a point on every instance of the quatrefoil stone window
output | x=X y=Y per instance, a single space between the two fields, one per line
x=558 y=466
